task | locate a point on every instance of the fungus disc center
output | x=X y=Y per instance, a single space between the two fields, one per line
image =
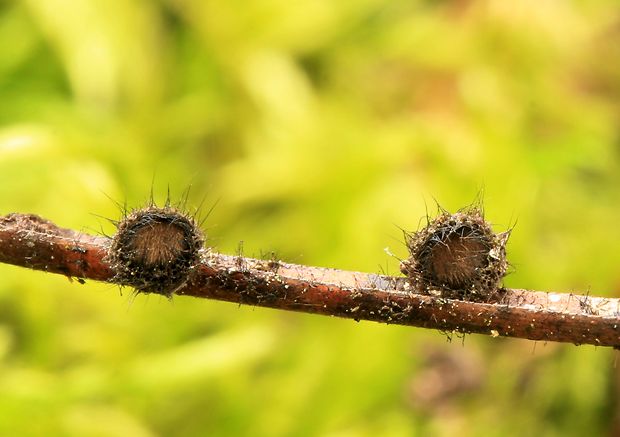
x=456 y=260
x=159 y=243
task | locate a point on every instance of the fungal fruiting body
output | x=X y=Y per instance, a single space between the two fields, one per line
x=457 y=256
x=154 y=249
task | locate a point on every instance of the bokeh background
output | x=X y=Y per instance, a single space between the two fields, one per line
x=320 y=128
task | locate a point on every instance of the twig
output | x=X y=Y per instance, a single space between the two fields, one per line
x=30 y=241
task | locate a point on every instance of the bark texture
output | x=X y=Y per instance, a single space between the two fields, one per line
x=32 y=242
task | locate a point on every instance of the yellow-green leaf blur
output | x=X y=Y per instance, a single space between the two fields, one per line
x=321 y=129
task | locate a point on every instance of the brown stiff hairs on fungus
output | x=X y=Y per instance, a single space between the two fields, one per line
x=154 y=249
x=457 y=256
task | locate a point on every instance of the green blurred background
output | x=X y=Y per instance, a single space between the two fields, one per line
x=321 y=127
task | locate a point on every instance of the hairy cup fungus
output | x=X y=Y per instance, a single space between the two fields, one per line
x=457 y=256
x=154 y=249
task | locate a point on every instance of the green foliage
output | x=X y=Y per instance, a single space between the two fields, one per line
x=321 y=127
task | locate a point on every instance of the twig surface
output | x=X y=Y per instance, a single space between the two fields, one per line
x=30 y=241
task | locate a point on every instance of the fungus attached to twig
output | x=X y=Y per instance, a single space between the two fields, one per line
x=154 y=249
x=457 y=256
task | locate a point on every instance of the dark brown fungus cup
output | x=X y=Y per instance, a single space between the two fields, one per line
x=457 y=256
x=154 y=249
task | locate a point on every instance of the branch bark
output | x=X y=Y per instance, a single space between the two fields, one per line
x=36 y=243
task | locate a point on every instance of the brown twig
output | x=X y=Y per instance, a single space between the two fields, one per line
x=30 y=241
